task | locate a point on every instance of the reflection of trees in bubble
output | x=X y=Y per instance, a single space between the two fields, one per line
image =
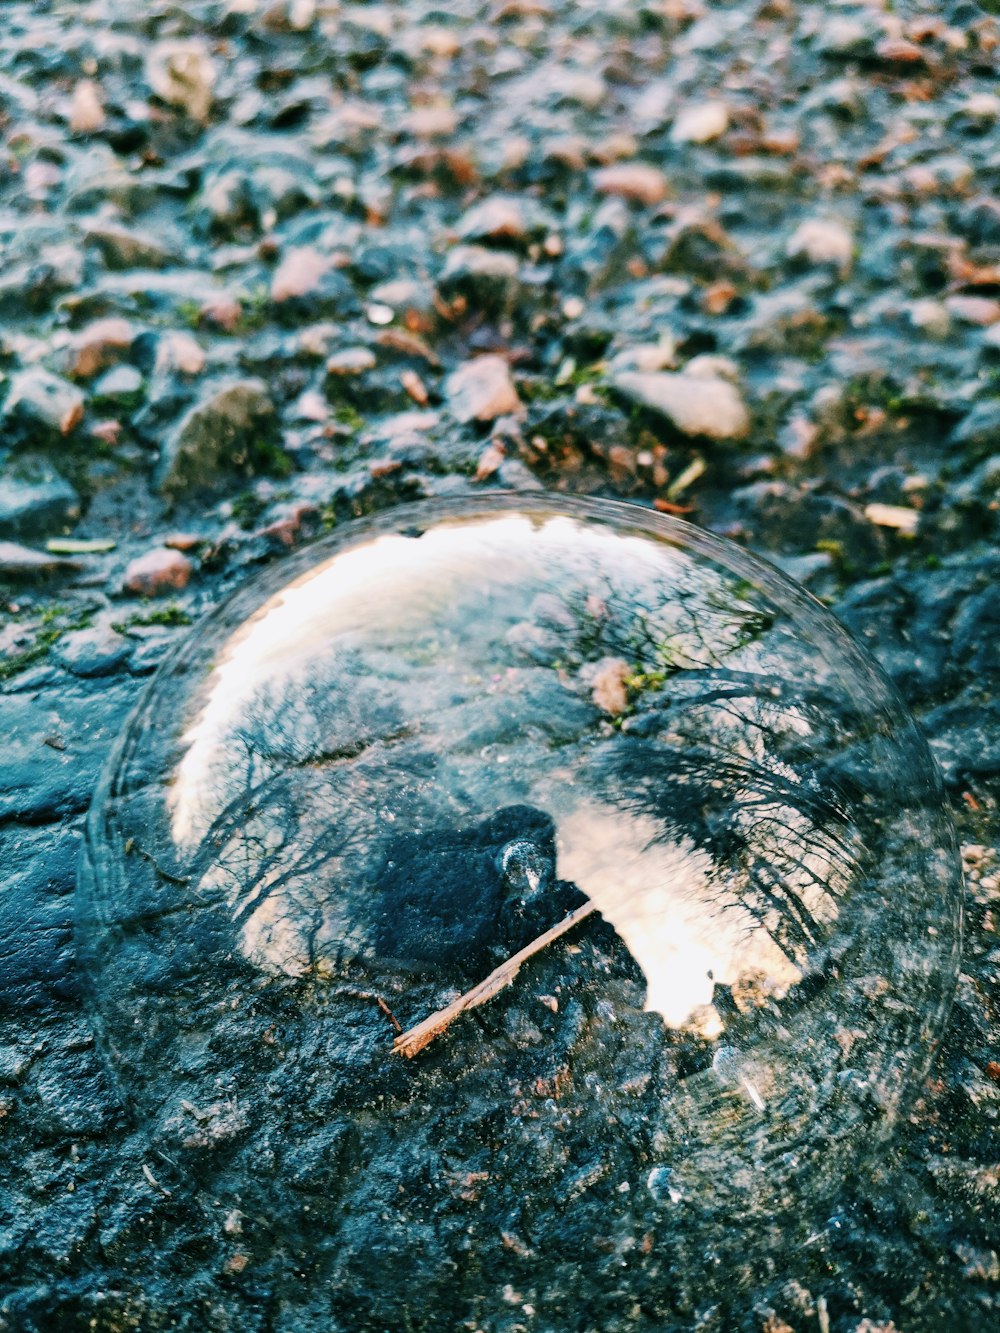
x=780 y=836
x=717 y=751
x=723 y=749
x=326 y=711
x=294 y=867
x=301 y=777
x=693 y=622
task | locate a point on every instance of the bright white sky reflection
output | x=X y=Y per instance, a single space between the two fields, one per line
x=657 y=896
x=390 y=580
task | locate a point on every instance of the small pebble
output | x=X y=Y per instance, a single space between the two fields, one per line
x=98 y=344
x=38 y=400
x=415 y=387
x=431 y=122
x=608 y=688
x=694 y=404
x=634 y=181
x=95 y=651
x=182 y=74
x=822 y=241
x=701 y=123
x=157 y=573
x=351 y=361
x=299 y=273
x=87 y=108
x=482 y=390
x=980 y=310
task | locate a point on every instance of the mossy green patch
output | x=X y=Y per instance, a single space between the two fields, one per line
x=53 y=623
x=169 y=616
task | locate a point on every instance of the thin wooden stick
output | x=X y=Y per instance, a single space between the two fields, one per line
x=413 y=1041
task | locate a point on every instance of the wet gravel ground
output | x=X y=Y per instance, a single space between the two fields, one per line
x=267 y=266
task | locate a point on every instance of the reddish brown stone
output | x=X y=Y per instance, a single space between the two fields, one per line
x=157 y=573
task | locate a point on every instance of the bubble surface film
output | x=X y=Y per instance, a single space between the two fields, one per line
x=392 y=763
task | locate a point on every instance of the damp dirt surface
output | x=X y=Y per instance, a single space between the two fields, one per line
x=265 y=268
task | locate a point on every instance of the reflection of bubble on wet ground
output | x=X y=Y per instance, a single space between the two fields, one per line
x=393 y=766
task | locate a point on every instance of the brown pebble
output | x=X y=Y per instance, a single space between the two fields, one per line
x=482 y=390
x=635 y=181
x=157 y=573
x=106 y=431
x=383 y=467
x=489 y=460
x=87 y=108
x=182 y=541
x=287 y=526
x=415 y=387
x=299 y=273
x=222 y=309
x=95 y=346
x=608 y=689
x=179 y=351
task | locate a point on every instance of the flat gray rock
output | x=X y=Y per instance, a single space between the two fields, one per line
x=35 y=501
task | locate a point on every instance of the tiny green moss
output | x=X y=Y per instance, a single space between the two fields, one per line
x=345 y=415
x=53 y=625
x=170 y=615
x=189 y=313
x=247 y=509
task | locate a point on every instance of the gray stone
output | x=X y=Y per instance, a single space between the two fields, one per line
x=693 y=404
x=231 y=429
x=21 y=562
x=95 y=651
x=482 y=390
x=125 y=247
x=121 y=386
x=224 y=204
x=40 y=406
x=35 y=500
x=980 y=429
x=596 y=255
x=251 y=183
x=98 y=176
x=487 y=279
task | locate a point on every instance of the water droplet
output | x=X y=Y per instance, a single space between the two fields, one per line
x=525 y=866
x=660 y=1183
x=413 y=751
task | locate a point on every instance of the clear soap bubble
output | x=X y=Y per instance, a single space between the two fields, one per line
x=400 y=760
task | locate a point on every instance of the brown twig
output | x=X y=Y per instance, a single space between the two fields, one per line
x=416 y=1038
